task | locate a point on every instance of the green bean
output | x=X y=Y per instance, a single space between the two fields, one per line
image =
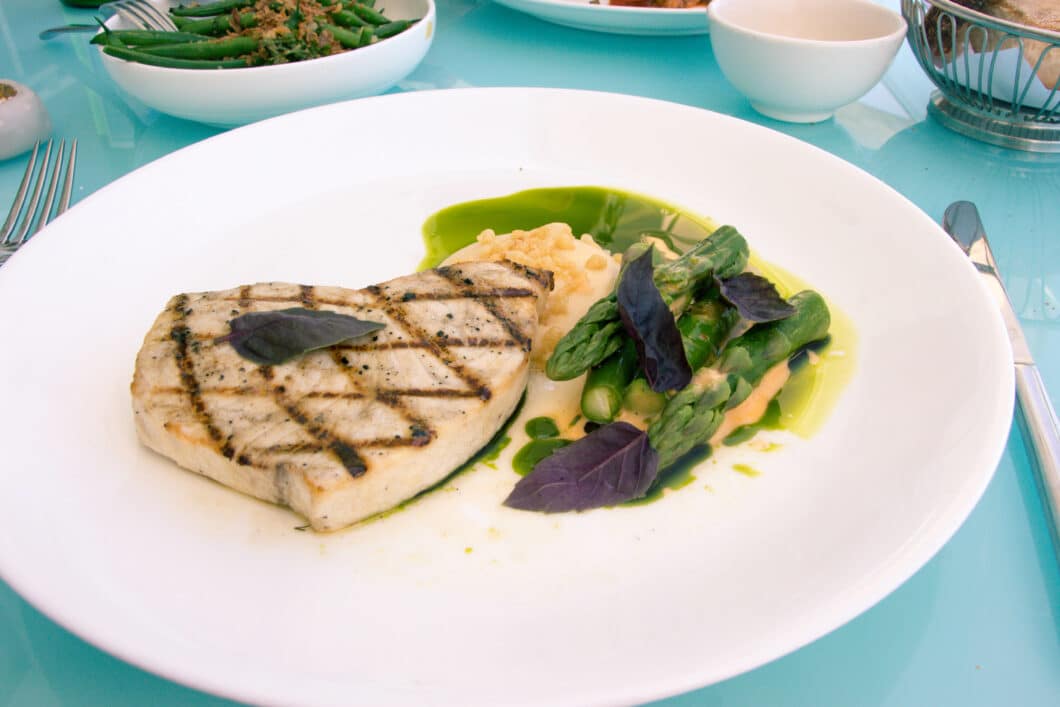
x=345 y=18
x=145 y=37
x=170 y=62
x=213 y=49
x=369 y=15
x=347 y=38
x=392 y=28
x=210 y=8
x=215 y=25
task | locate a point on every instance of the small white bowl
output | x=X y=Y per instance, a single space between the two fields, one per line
x=228 y=97
x=800 y=60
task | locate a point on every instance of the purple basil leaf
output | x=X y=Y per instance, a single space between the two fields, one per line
x=271 y=338
x=650 y=323
x=611 y=465
x=755 y=298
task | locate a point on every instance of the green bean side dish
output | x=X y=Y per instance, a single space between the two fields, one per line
x=230 y=34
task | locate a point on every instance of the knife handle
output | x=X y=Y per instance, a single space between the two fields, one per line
x=1038 y=420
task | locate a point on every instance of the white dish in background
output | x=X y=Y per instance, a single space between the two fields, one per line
x=801 y=60
x=228 y=97
x=581 y=14
x=457 y=599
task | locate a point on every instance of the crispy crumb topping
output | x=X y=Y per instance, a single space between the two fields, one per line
x=583 y=272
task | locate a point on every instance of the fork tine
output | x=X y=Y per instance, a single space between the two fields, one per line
x=31 y=209
x=44 y=214
x=132 y=13
x=20 y=196
x=161 y=18
x=68 y=179
x=146 y=13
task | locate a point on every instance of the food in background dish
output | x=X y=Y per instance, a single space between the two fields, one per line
x=345 y=432
x=1035 y=14
x=242 y=33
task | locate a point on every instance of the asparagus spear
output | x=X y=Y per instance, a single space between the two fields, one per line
x=703 y=329
x=598 y=334
x=606 y=383
x=694 y=413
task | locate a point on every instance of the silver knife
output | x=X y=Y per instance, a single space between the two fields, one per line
x=1037 y=418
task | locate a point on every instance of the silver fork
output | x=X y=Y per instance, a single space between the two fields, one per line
x=144 y=12
x=28 y=217
x=141 y=14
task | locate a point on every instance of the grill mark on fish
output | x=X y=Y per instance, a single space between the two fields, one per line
x=397 y=314
x=324 y=394
x=343 y=450
x=515 y=292
x=450 y=342
x=179 y=332
x=314 y=447
x=458 y=282
x=545 y=278
x=244 y=298
x=421 y=432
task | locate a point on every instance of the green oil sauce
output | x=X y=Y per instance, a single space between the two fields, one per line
x=541 y=428
x=534 y=451
x=746 y=470
x=676 y=476
x=616 y=219
x=810 y=395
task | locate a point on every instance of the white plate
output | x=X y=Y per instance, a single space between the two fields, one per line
x=580 y=14
x=183 y=577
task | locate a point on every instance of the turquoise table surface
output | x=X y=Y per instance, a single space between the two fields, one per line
x=978 y=625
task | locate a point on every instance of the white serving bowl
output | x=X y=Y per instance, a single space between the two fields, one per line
x=800 y=60
x=228 y=97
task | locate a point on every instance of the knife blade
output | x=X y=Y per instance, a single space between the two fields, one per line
x=1037 y=418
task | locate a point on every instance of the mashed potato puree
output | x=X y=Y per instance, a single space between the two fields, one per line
x=584 y=272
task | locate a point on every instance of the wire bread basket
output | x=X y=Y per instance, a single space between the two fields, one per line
x=988 y=72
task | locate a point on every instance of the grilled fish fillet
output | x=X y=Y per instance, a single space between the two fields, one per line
x=349 y=431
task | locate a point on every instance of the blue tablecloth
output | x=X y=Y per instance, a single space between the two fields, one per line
x=978 y=625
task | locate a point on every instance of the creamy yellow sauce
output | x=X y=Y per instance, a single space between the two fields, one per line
x=754 y=407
